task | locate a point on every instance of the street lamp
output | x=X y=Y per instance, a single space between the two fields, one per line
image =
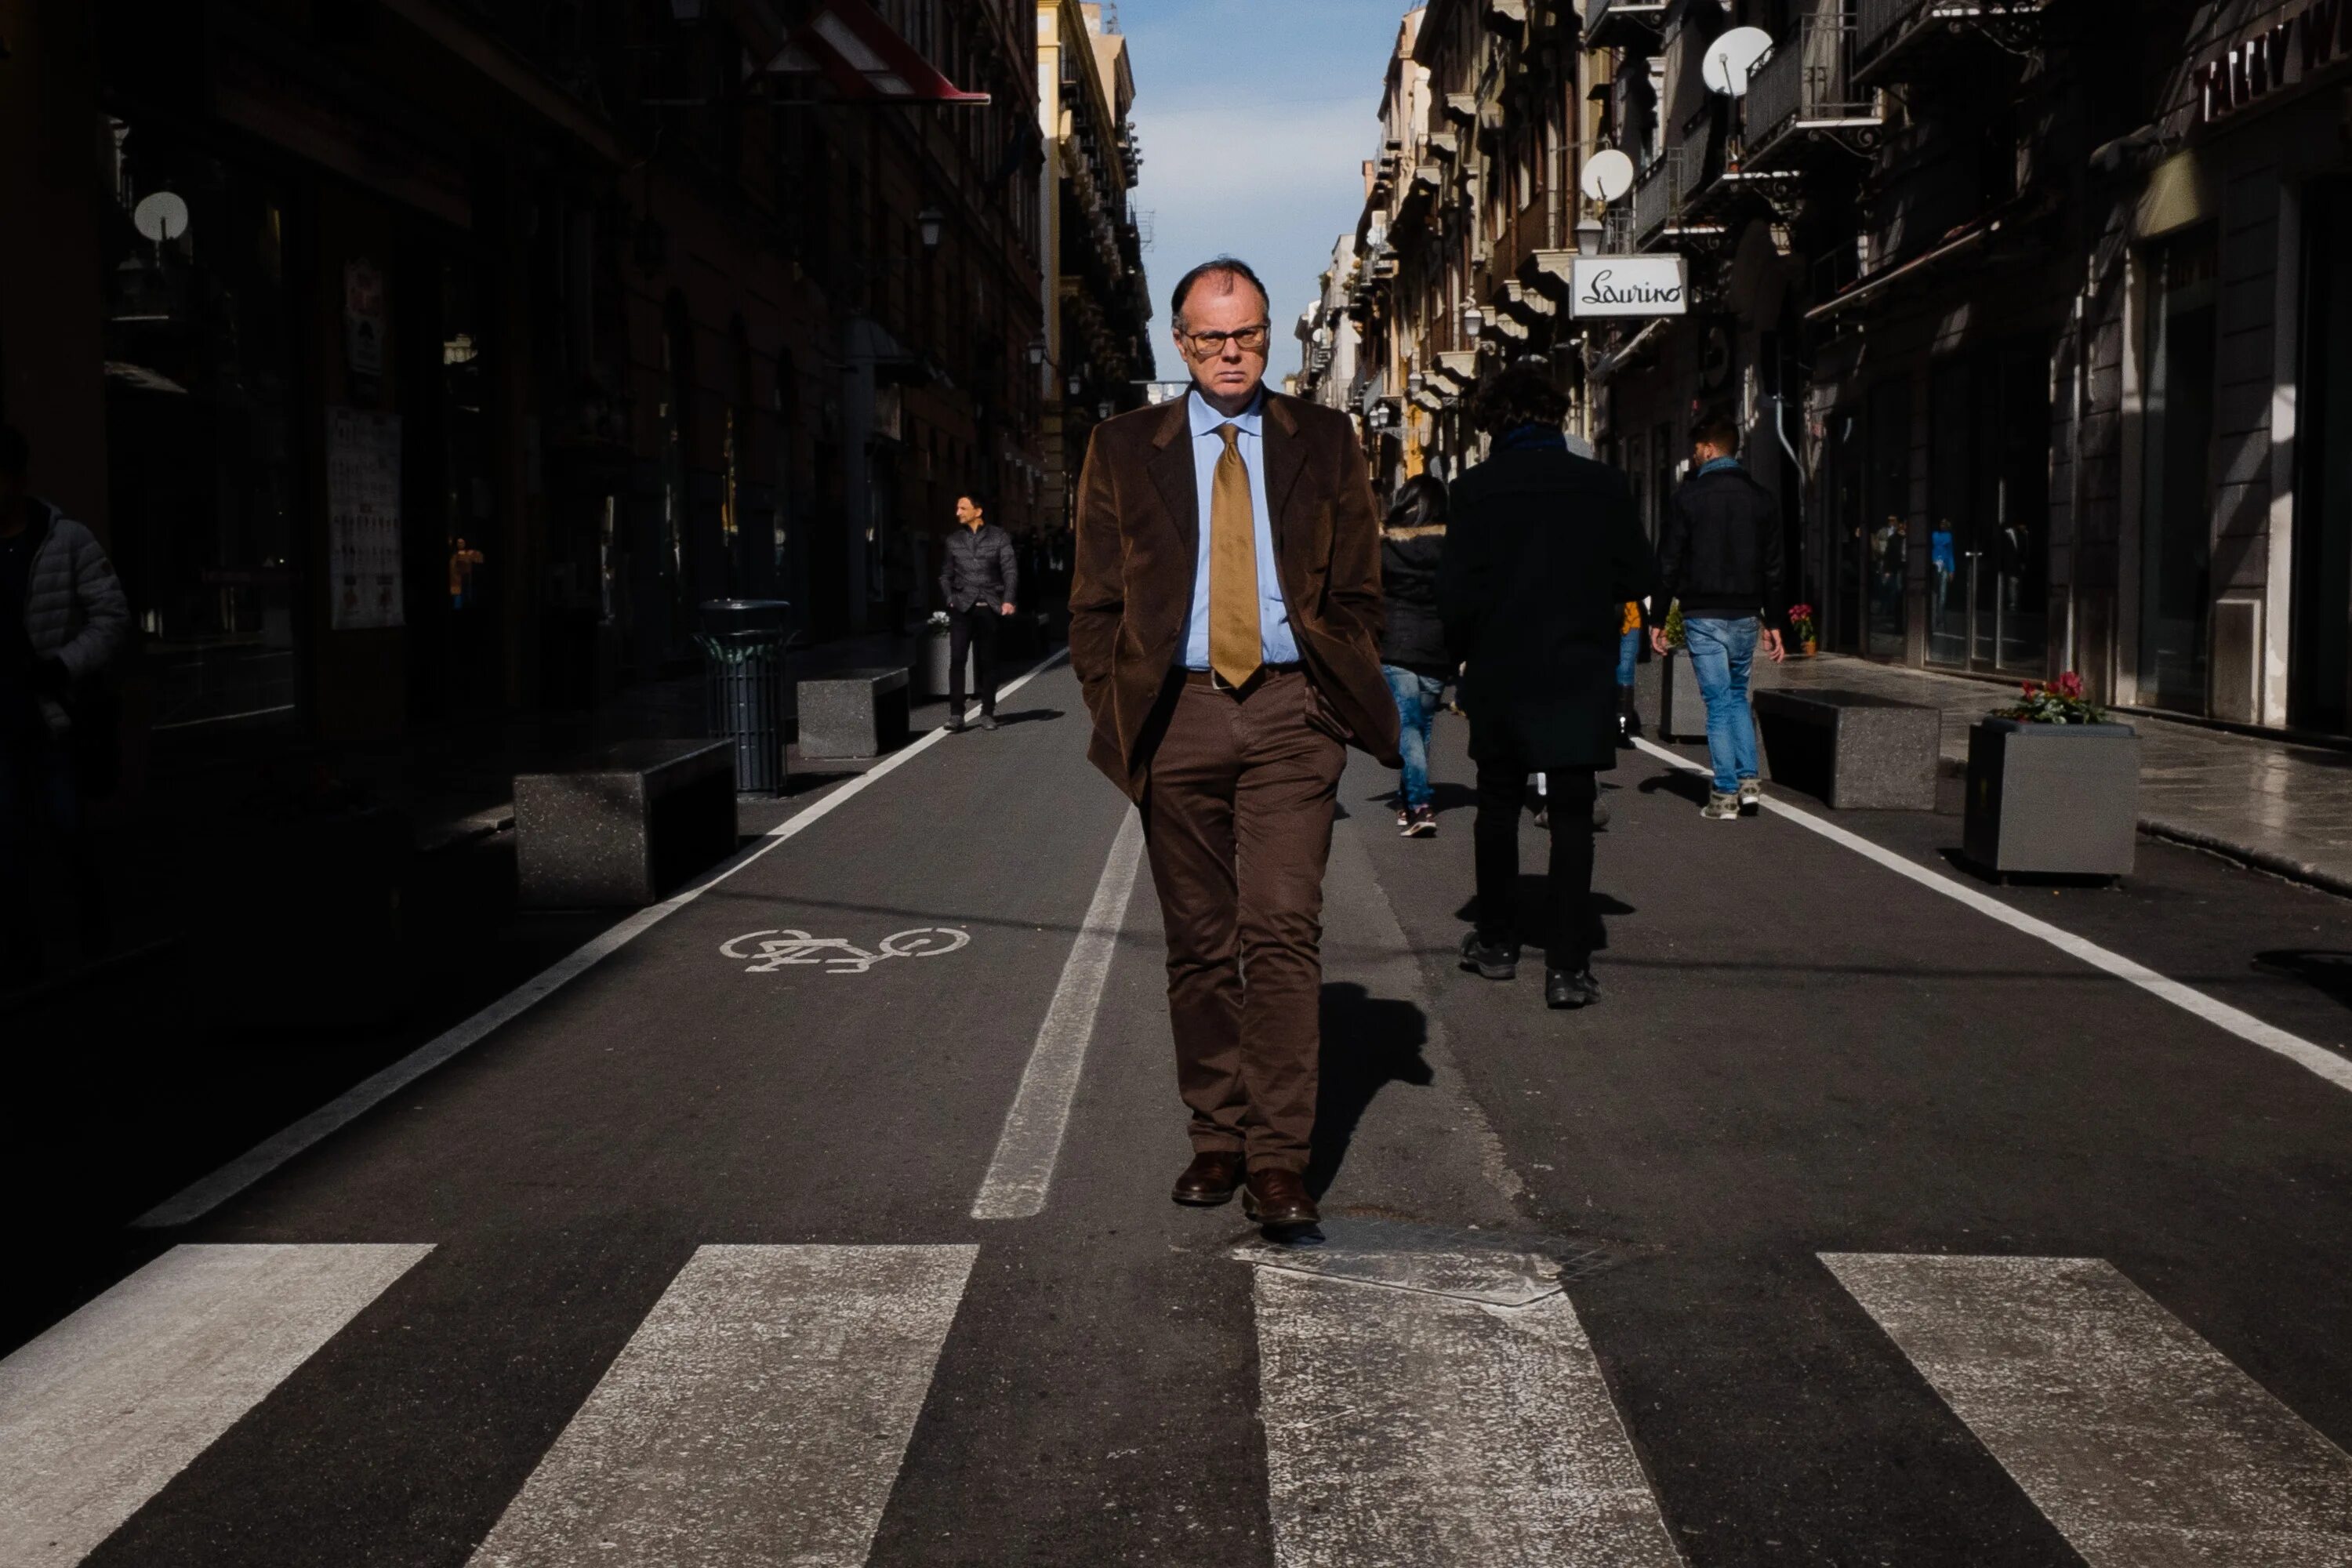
x=1036 y=350
x=1076 y=387
x=931 y=222
x=1473 y=322
x=1590 y=235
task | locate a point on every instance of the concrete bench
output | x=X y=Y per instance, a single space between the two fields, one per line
x=1852 y=750
x=854 y=713
x=625 y=825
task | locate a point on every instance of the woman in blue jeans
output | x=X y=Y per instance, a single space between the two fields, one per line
x=1413 y=644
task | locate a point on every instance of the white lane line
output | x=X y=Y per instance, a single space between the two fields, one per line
x=1406 y=1430
x=2318 y=1059
x=208 y=1192
x=1030 y=1143
x=2138 y=1440
x=97 y=1414
x=759 y=1415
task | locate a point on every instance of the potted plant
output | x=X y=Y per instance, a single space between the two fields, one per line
x=1802 y=631
x=2053 y=786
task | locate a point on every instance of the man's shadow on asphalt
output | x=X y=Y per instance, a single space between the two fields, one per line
x=1531 y=902
x=1368 y=1042
x=1031 y=716
x=1692 y=787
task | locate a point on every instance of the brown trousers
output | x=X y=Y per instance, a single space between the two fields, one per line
x=1237 y=819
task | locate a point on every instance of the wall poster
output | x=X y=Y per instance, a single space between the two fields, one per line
x=363 y=518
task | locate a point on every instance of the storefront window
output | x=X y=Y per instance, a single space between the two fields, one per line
x=1988 y=508
x=200 y=467
x=2319 y=672
x=1888 y=622
x=2176 y=542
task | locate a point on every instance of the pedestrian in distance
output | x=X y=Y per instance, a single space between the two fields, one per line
x=63 y=618
x=979 y=576
x=1224 y=628
x=1720 y=556
x=1629 y=664
x=1542 y=553
x=1413 y=644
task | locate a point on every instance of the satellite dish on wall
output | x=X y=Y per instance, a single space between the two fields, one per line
x=160 y=217
x=1732 y=59
x=1608 y=175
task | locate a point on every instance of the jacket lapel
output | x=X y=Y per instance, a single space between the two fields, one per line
x=1286 y=459
x=1170 y=468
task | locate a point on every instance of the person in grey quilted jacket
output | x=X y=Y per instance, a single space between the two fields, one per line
x=62 y=619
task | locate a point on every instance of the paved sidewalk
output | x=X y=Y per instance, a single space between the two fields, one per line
x=2285 y=808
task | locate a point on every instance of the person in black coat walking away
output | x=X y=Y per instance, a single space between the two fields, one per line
x=1542 y=555
x=1413 y=643
x=1720 y=556
x=980 y=573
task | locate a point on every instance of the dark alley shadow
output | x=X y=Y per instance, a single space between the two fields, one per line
x=1368 y=1042
x=2327 y=972
x=1957 y=860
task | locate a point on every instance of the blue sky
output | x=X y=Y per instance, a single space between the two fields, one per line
x=1255 y=118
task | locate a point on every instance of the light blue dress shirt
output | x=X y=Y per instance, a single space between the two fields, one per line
x=1275 y=643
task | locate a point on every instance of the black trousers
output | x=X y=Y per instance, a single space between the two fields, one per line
x=1565 y=922
x=973 y=630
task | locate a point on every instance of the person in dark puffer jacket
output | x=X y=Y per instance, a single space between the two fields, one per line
x=1412 y=645
x=62 y=618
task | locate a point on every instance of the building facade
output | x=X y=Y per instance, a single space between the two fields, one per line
x=2028 y=308
x=1096 y=357
x=420 y=359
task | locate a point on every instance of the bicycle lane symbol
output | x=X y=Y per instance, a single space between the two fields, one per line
x=769 y=951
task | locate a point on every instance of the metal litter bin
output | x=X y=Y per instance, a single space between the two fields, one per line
x=744 y=641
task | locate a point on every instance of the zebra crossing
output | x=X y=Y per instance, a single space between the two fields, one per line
x=1428 y=1406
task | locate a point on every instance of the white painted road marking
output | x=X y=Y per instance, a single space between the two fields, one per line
x=772 y=949
x=1030 y=1143
x=2137 y=1439
x=97 y=1414
x=208 y=1192
x=2336 y=1069
x=1411 y=1430
x=758 y=1416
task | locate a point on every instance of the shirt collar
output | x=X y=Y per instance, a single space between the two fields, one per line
x=1251 y=421
x=1719 y=465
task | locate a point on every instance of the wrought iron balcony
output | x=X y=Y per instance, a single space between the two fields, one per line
x=1658 y=197
x=1622 y=24
x=1891 y=33
x=1805 y=92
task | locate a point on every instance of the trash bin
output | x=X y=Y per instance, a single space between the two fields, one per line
x=743 y=640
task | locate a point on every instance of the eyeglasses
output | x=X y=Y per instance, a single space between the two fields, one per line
x=1249 y=339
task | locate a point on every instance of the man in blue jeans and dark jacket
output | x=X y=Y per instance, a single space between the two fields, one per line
x=1720 y=556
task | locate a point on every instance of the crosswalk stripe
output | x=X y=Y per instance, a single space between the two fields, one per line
x=2133 y=1437
x=758 y=1416
x=1405 y=1428
x=98 y=1413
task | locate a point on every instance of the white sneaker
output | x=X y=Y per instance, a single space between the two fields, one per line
x=1751 y=794
x=1720 y=808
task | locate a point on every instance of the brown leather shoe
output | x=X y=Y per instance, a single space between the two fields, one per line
x=1212 y=1178
x=1278 y=1197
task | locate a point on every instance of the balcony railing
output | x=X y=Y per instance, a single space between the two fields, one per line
x=1806 y=86
x=1614 y=23
x=1888 y=27
x=1657 y=195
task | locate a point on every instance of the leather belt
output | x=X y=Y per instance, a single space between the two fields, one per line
x=1215 y=683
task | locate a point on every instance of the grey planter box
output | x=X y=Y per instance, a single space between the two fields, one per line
x=933 y=665
x=1668 y=691
x=624 y=827
x=2059 y=800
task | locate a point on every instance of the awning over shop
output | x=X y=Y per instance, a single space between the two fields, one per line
x=862 y=58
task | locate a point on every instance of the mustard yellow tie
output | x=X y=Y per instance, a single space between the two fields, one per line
x=1234 y=646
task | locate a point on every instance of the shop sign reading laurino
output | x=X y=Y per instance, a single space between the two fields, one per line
x=2314 y=38
x=1628 y=286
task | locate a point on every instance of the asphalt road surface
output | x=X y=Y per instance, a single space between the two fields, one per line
x=1873 y=1218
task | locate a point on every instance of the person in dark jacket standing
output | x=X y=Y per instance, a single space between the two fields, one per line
x=1542 y=553
x=979 y=574
x=62 y=618
x=1412 y=645
x=1720 y=556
